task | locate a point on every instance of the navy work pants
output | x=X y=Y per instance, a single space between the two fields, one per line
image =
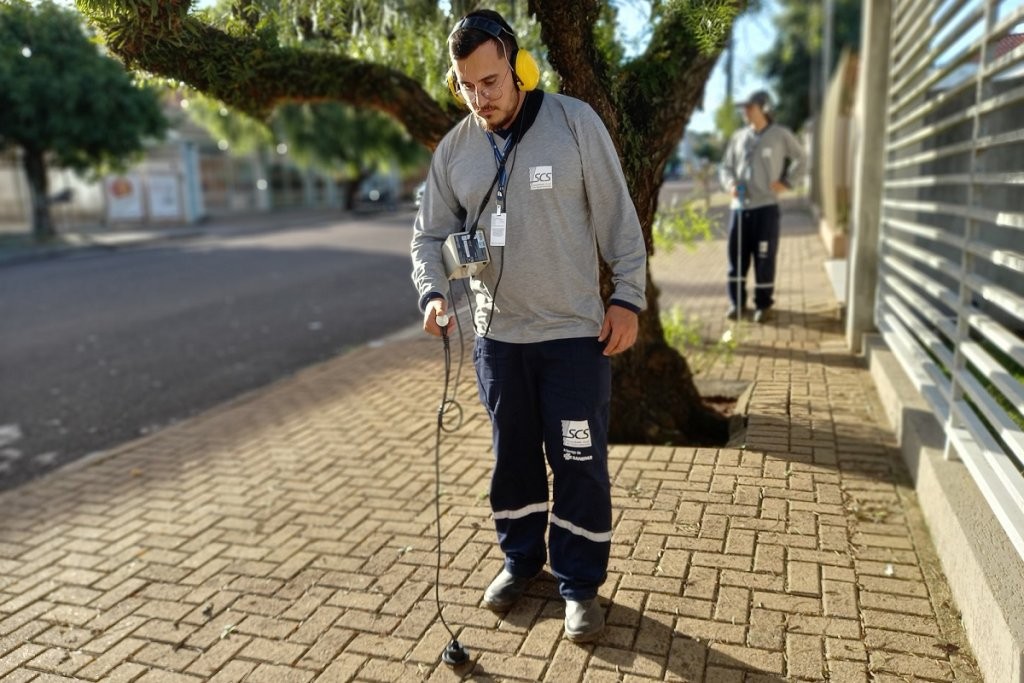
x=550 y=398
x=753 y=235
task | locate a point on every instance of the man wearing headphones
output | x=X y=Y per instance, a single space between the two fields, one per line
x=539 y=175
x=762 y=160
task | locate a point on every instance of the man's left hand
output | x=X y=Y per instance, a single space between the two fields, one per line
x=619 y=330
x=778 y=187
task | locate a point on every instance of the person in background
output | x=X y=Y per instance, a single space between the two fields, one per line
x=763 y=160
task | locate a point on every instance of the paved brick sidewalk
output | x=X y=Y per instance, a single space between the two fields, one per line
x=288 y=536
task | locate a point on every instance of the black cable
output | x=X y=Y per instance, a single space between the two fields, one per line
x=454 y=654
x=458 y=369
x=437 y=476
x=494 y=296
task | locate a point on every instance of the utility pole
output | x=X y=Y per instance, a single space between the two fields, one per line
x=730 y=49
x=826 y=48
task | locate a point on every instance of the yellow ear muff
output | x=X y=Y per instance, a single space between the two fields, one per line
x=527 y=71
x=453 y=86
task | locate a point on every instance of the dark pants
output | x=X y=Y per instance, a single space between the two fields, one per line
x=550 y=398
x=753 y=234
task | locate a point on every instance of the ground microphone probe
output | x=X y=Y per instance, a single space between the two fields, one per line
x=454 y=654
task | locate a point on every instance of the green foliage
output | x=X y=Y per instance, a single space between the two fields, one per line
x=404 y=35
x=684 y=224
x=338 y=137
x=682 y=332
x=329 y=136
x=708 y=146
x=58 y=94
x=696 y=28
x=401 y=34
x=115 y=17
x=788 y=63
x=686 y=334
x=241 y=132
x=604 y=34
x=710 y=21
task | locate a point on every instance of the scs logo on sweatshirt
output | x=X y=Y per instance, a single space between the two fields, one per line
x=540 y=178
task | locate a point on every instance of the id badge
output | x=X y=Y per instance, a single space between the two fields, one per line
x=498 y=222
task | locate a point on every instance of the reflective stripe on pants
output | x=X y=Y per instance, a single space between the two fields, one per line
x=550 y=399
x=754 y=235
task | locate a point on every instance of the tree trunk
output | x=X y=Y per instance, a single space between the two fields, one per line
x=654 y=398
x=351 y=193
x=38 y=189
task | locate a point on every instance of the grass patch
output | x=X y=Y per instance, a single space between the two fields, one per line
x=681 y=223
x=686 y=334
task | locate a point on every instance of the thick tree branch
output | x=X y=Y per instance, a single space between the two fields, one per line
x=662 y=87
x=567 y=29
x=255 y=76
x=658 y=91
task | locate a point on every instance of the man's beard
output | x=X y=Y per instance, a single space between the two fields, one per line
x=504 y=123
x=489 y=127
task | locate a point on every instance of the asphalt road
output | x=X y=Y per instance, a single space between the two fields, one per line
x=100 y=347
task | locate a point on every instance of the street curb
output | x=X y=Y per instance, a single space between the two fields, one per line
x=221 y=225
x=34 y=254
x=409 y=333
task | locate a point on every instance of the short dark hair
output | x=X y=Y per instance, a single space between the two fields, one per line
x=463 y=42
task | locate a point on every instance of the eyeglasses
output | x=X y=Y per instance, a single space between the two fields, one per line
x=489 y=92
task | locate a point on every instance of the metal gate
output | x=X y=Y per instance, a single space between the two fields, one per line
x=950 y=300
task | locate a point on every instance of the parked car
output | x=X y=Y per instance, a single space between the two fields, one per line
x=379 y=192
x=420 y=189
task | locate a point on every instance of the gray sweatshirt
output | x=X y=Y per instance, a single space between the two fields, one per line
x=755 y=160
x=566 y=199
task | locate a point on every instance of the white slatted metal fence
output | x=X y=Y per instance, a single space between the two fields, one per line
x=950 y=300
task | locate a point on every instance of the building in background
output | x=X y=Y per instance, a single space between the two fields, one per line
x=182 y=180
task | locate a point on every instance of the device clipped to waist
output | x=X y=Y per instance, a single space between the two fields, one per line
x=465 y=254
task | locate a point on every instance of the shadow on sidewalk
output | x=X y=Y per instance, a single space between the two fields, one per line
x=828 y=359
x=634 y=642
x=822 y=322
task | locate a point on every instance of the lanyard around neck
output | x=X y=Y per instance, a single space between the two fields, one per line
x=500 y=158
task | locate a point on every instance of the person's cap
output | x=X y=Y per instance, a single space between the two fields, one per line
x=759 y=97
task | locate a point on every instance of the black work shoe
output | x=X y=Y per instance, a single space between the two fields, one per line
x=733 y=313
x=760 y=315
x=505 y=591
x=584 y=620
